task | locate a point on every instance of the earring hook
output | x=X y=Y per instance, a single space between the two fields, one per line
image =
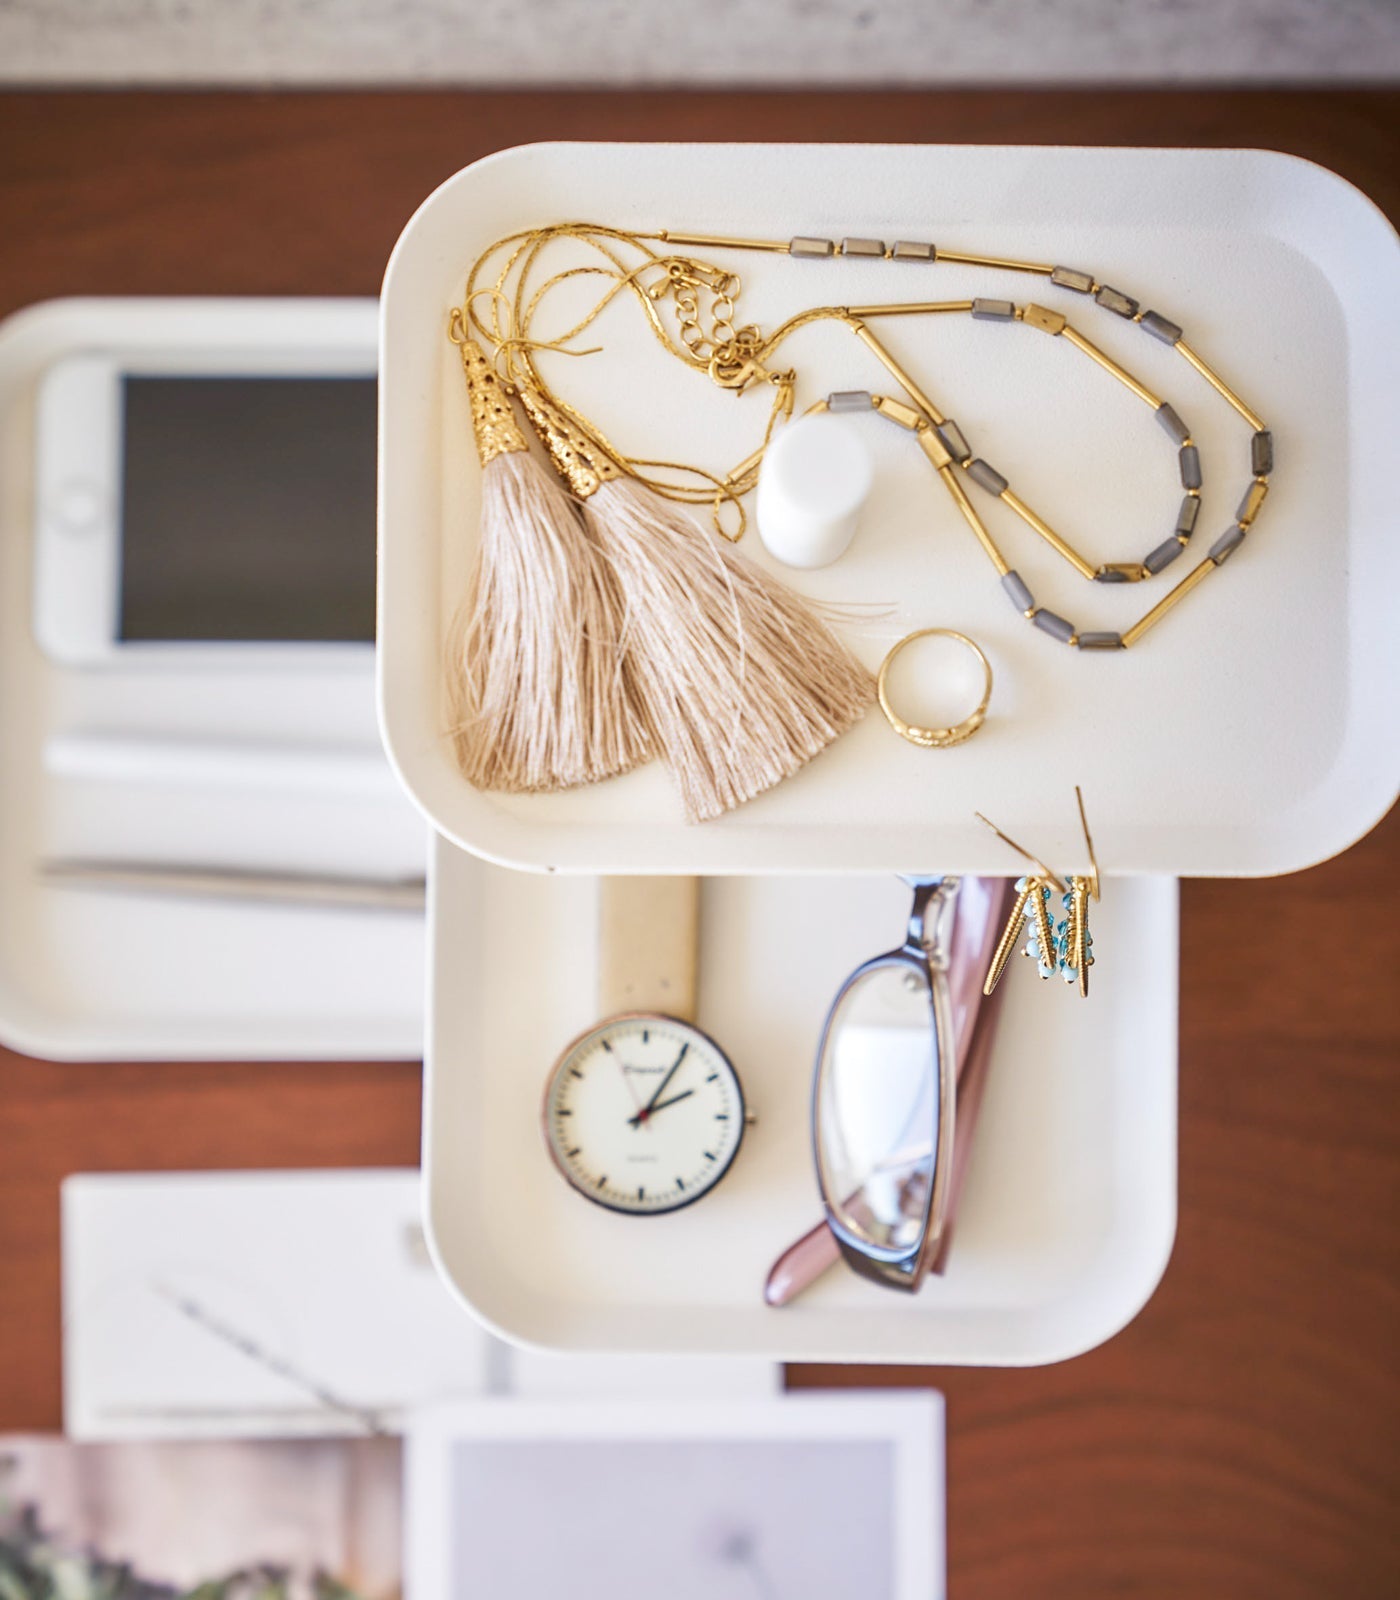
x=1020 y=850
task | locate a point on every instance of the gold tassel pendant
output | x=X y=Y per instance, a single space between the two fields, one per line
x=740 y=681
x=537 y=693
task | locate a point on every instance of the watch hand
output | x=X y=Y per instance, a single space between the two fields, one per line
x=636 y=1122
x=650 y=1106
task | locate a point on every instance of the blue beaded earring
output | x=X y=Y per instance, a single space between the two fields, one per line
x=1056 y=944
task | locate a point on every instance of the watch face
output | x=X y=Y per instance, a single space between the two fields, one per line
x=644 y=1114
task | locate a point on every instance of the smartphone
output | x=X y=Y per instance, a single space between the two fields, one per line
x=206 y=508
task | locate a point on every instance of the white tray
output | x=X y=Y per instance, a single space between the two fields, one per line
x=1254 y=731
x=1064 y=1228
x=95 y=975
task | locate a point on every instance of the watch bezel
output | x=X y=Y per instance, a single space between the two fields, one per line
x=561 y=1062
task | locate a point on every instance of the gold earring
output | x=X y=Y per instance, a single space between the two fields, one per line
x=1065 y=946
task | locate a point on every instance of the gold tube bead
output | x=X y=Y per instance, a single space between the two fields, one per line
x=891 y=365
x=969 y=511
x=1220 y=386
x=1253 y=499
x=914 y=308
x=1043 y=318
x=966 y=259
x=1189 y=582
x=1109 y=365
x=746 y=466
x=719 y=241
x=1046 y=532
x=897 y=411
x=933 y=447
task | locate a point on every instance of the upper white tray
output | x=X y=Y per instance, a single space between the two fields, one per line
x=1061 y=1234
x=1254 y=731
x=91 y=975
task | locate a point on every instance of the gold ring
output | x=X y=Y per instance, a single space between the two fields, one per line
x=934 y=738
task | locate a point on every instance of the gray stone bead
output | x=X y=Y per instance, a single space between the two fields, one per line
x=1020 y=595
x=1100 y=641
x=1163 y=555
x=1226 y=545
x=1055 y=626
x=1261 y=453
x=912 y=250
x=1158 y=326
x=953 y=441
x=990 y=479
x=804 y=246
x=1115 y=300
x=1072 y=278
x=1189 y=458
x=994 y=310
x=1186 y=517
x=1175 y=427
x=863 y=247
x=850 y=400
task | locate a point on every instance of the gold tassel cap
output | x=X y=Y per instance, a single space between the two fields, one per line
x=493 y=421
x=578 y=459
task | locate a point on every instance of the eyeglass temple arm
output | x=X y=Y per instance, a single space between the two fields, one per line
x=931 y=895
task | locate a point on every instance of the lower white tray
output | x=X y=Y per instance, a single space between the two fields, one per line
x=1070 y=1209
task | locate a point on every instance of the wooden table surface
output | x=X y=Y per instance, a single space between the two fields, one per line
x=1240 y=1437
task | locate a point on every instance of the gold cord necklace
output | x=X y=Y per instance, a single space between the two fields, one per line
x=702 y=297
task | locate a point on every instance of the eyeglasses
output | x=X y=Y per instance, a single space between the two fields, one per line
x=886 y=1085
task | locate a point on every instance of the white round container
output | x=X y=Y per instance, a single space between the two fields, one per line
x=815 y=478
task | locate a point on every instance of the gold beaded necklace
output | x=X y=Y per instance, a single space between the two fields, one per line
x=703 y=299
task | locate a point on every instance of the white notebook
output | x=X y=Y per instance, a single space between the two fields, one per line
x=279 y=1304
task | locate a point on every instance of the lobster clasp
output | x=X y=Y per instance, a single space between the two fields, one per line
x=731 y=367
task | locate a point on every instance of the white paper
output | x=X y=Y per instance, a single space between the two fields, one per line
x=792 y=1498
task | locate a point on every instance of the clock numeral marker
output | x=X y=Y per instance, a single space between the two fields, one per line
x=574 y=1151
x=721 y=1116
x=641 y=1192
x=712 y=1077
x=680 y=1184
x=709 y=1155
x=574 y=1072
x=645 y=1035
x=601 y=1181
x=606 y=1045
x=563 y=1111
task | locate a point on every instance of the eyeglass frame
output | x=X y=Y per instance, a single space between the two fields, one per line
x=923 y=953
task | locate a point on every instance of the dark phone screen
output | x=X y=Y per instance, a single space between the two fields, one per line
x=248 y=508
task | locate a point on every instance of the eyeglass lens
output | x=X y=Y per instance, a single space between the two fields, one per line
x=877 y=1104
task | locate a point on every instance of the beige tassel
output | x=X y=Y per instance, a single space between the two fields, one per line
x=539 y=699
x=741 y=681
